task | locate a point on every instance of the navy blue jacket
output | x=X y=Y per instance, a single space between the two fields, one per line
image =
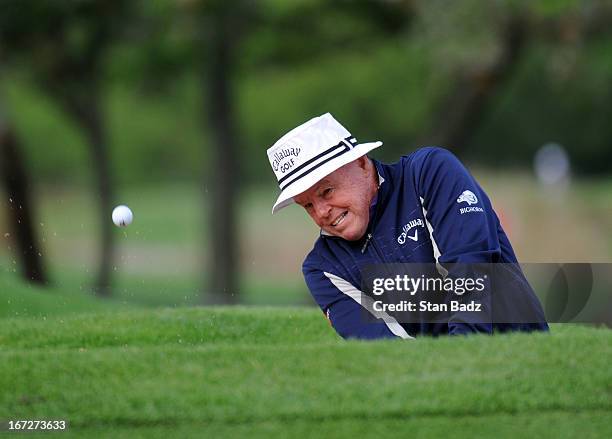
x=428 y=209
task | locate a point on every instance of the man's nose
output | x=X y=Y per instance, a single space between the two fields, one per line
x=322 y=209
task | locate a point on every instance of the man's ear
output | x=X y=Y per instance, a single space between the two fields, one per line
x=363 y=162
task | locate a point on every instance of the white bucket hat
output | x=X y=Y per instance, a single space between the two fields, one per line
x=310 y=152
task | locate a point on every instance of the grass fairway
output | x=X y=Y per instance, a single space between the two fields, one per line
x=262 y=372
x=19 y=299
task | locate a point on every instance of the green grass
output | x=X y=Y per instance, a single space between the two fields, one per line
x=71 y=292
x=19 y=299
x=261 y=372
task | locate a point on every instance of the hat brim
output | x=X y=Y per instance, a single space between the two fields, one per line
x=286 y=197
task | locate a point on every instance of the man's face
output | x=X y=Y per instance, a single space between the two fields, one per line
x=340 y=203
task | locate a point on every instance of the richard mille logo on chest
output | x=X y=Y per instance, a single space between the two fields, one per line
x=408 y=233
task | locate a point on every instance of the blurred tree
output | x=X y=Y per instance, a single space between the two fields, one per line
x=218 y=77
x=289 y=34
x=19 y=208
x=214 y=31
x=558 y=89
x=218 y=28
x=480 y=69
x=203 y=37
x=63 y=45
x=461 y=111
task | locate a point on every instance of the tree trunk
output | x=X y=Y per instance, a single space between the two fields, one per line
x=225 y=169
x=101 y=164
x=461 y=113
x=86 y=111
x=20 y=214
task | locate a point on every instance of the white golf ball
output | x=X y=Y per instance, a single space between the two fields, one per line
x=122 y=216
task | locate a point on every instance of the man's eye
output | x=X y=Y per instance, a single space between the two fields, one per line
x=327 y=191
x=308 y=206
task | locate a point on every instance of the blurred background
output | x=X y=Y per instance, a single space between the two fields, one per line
x=168 y=106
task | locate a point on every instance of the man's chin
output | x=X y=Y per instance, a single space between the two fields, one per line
x=348 y=233
x=351 y=235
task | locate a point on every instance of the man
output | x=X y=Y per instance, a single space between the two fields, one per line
x=425 y=208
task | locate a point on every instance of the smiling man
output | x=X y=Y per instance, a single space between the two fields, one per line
x=426 y=208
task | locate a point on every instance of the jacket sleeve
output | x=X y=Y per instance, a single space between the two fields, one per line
x=462 y=222
x=346 y=309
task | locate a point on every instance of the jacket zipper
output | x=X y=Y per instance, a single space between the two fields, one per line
x=370 y=240
x=365 y=244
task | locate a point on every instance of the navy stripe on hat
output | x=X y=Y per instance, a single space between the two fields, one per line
x=310 y=165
